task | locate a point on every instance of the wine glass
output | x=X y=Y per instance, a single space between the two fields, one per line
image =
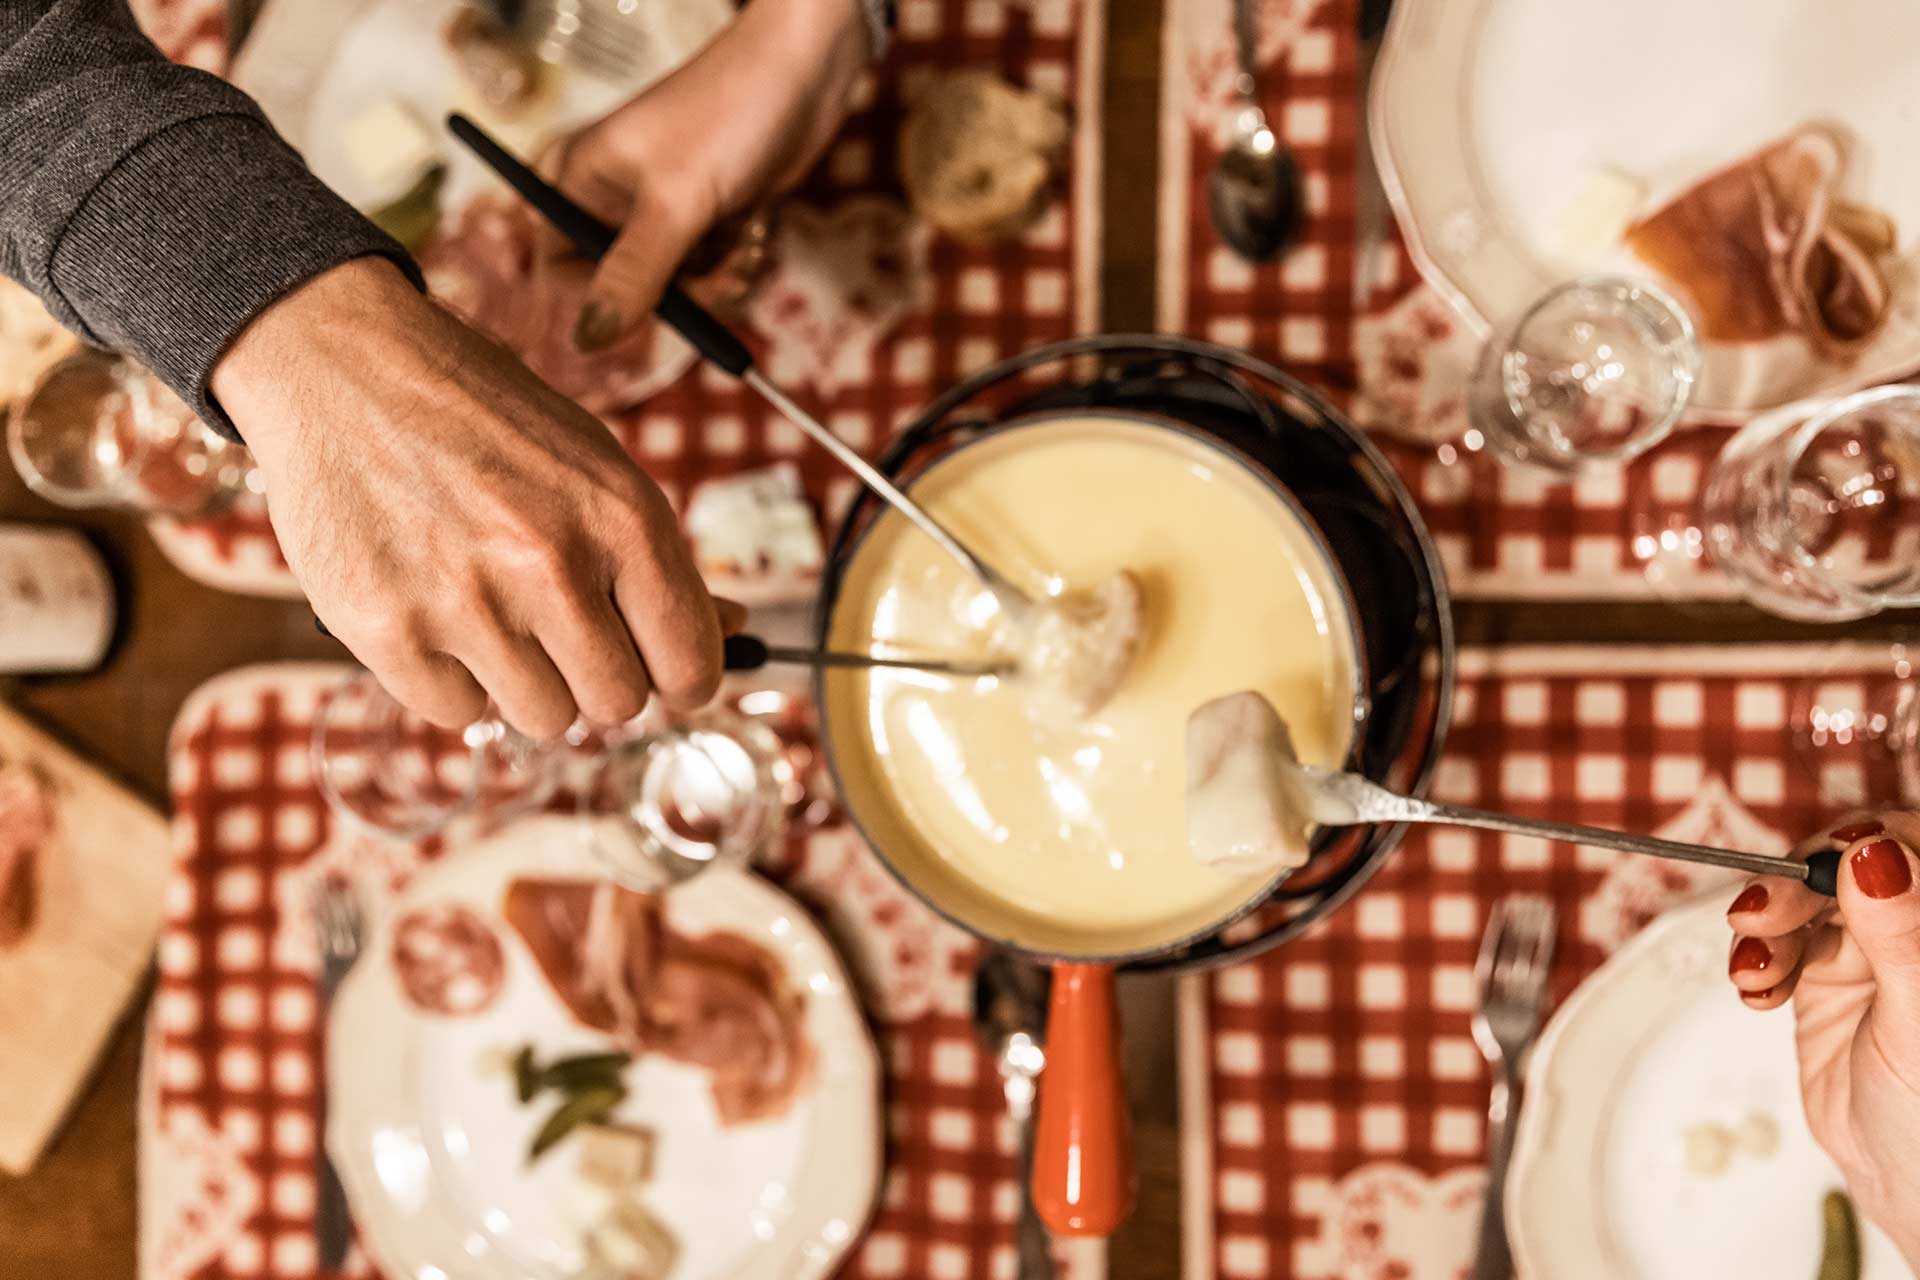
x=1594 y=373
x=700 y=791
x=1818 y=517
x=395 y=774
x=97 y=430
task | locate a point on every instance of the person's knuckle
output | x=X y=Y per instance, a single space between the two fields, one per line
x=537 y=561
x=543 y=716
x=689 y=675
x=614 y=702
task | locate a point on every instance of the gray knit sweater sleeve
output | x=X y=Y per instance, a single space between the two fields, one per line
x=150 y=206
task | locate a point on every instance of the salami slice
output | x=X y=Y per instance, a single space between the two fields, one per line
x=448 y=959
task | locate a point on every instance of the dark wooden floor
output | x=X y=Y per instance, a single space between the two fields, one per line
x=74 y=1218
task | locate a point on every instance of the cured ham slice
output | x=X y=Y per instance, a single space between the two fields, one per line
x=1764 y=248
x=485 y=266
x=26 y=822
x=717 y=1001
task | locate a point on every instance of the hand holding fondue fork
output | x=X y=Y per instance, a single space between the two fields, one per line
x=1077 y=646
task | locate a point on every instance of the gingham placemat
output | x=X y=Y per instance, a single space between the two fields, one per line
x=844 y=252
x=1401 y=362
x=1333 y=1101
x=231 y=1081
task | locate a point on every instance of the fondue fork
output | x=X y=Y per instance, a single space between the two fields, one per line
x=750 y=653
x=593 y=238
x=1346 y=799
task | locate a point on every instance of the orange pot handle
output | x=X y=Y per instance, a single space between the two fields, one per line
x=1083 y=1149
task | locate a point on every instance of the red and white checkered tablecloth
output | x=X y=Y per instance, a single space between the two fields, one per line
x=231 y=1078
x=835 y=254
x=1401 y=362
x=1333 y=1100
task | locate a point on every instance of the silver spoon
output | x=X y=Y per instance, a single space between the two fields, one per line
x=1338 y=799
x=1010 y=1017
x=1254 y=191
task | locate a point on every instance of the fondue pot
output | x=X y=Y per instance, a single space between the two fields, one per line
x=1369 y=544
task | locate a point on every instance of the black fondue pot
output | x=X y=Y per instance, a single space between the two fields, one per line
x=1374 y=545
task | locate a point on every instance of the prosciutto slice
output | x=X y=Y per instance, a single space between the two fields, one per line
x=717 y=1001
x=486 y=267
x=26 y=822
x=1765 y=248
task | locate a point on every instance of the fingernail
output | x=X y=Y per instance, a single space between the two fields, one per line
x=1880 y=869
x=1750 y=955
x=1858 y=831
x=1759 y=995
x=1752 y=898
x=599 y=325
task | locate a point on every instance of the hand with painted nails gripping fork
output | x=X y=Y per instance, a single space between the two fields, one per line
x=1851 y=965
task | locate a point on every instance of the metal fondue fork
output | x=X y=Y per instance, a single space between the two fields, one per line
x=1344 y=799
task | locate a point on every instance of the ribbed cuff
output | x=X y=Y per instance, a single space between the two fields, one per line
x=192 y=235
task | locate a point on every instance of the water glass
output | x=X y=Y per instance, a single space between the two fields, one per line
x=1594 y=373
x=100 y=431
x=665 y=805
x=1817 y=517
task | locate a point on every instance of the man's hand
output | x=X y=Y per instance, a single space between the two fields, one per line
x=464 y=529
x=740 y=122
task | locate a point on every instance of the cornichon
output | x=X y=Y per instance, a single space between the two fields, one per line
x=526 y=1076
x=589 y=1106
x=584 y=1070
x=1840 y=1258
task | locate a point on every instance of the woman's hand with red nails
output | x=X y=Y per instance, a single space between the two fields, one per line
x=1852 y=968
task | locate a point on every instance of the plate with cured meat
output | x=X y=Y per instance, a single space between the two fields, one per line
x=534 y=1074
x=362 y=90
x=1758 y=164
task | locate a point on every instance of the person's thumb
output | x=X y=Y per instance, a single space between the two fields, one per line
x=628 y=282
x=1880 y=903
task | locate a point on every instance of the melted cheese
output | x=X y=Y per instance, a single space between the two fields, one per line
x=1079 y=824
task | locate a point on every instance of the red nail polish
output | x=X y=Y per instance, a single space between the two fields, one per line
x=1750 y=955
x=1758 y=995
x=1857 y=831
x=1752 y=898
x=1881 y=870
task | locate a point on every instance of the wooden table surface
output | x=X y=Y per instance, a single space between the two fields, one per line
x=73 y=1218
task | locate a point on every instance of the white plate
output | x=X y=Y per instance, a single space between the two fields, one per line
x=1652 y=1044
x=1489 y=115
x=430 y=1141
x=315 y=65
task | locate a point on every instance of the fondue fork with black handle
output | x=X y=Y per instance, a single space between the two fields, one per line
x=1343 y=799
x=750 y=653
x=719 y=344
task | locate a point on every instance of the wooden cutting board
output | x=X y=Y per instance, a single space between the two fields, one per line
x=100 y=876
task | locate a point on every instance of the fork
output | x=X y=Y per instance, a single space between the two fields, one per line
x=600 y=36
x=341 y=925
x=1516 y=953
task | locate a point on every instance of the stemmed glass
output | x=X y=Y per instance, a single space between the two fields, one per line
x=694 y=792
x=394 y=774
x=1594 y=373
x=99 y=431
x=1818 y=517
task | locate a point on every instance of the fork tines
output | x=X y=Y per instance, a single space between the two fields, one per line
x=1516 y=952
